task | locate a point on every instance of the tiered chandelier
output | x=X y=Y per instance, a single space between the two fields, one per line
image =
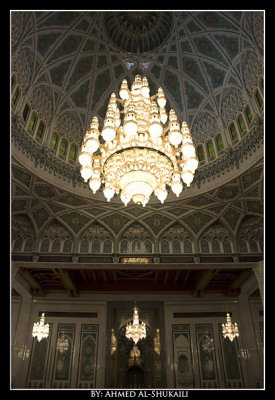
x=135 y=331
x=40 y=329
x=229 y=329
x=140 y=150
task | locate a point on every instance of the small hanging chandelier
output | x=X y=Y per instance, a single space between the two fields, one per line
x=62 y=343
x=135 y=331
x=138 y=152
x=229 y=329
x=40 y=330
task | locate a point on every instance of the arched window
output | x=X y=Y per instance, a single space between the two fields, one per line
x=253 y=246
x=56 y=246
x=219 y=142
x=73 y=152
x=84 y=246
x=124 y=246
x=187 y=246
x=16 y=95
x=17 y=244
x=96 y=246
x=54 y=141
x=107 y=246
x=164 y=245
x=216 y=246
x=26 y=112
x=241 y=124
x=28 y=245
x=233 y=132
x=243 y=246
x=40 y=130
x=176 y=246
x=67 y=247
x=148 y=246
x=227 y=246
x=136 y=248
x=258 y=99
x=200 y=153
x=45 y=245
x=32 y=121
x=63 y=148
x=204 y=246
x=210 y=149
x=248 y=114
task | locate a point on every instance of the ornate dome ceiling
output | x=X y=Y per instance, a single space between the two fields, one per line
x=68 y=63
x=138 y=32
x=65 y=65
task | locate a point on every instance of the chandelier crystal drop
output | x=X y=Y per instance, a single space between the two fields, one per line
x=140 y=150
x=40 y=329
x=229 y=329
x=135 y=331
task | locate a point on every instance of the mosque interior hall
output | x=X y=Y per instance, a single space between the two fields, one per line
x=137 y=199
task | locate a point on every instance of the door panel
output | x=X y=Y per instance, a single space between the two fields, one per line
x=72 y=366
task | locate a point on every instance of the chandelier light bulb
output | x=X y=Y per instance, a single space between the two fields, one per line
x=187 y=177
x=85 y=159
x=92 y=145
x=108 y=192
x=191 y=164
x=145 y=91
x=108 y=133
x=175 y=138
x=130 y=128
x=155 y=129
x=161 y=99
x=94 y=184
x=124 y=91
x=188 y=150
x=161 y=194
x=141 y=147
x=86 y=172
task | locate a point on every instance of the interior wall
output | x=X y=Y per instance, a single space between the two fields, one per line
x=185 y=323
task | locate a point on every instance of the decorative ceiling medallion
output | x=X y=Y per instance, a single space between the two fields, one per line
x=138 y=31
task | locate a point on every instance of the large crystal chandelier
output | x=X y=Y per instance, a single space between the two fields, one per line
x=135 y=331
x=40 y=329
x=140 y=150
x=229 y=329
